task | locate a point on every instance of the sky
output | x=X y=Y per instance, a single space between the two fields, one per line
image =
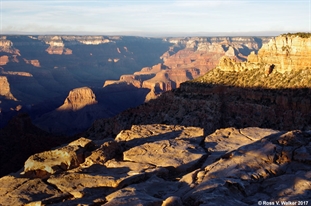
x=155 y=17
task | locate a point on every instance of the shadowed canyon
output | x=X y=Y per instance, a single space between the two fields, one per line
x=155 y=121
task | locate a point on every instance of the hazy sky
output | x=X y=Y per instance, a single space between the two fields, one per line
x=155 y=17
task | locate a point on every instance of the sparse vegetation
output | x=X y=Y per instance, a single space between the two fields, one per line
x=256 y=78
x=300 y=34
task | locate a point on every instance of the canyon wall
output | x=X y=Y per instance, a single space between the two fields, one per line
x=234 y=94
x=41 y=70
x=189 y=58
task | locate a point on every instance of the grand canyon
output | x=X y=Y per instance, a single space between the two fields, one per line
x=124 y=120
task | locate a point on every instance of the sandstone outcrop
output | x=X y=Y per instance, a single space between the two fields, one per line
x=9 y=73
x=78 y=110
x=4 y=60
x=57 y=45
x=78 y=98
x=5 y=88
x=84 y=105
x=33 y=62
x=7 y=46
x=285 y=53
x=51 y=162
x=231 y=166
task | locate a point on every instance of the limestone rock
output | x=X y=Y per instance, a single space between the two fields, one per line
x=287 y=52
x=4 y=60
x=282 y=54
x=7 y=46
x=140 y=134
x=5 y=88
x=62 y=159
x=151 y=192
x=164 y=146
x=105 y=152
x=246 y=165
x=222 y=143
x=263 y=165
x=33 y=62
x=78 y=98
x=179 y=154
x=19 y=191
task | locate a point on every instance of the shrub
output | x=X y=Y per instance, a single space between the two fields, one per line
x=300 y=34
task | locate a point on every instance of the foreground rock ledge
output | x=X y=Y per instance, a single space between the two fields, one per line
x=168 y=165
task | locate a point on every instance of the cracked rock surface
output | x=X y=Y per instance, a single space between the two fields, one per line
x=168 y=165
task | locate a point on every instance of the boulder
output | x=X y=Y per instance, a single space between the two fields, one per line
x=50 y=162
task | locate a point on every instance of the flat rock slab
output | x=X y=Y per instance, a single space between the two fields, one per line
x=242 y=167
x=223 y=141
x=170 y=146
x=20 y=191
x=178 y=154
x=95 y=176
x=151 y=192
x=140 y=134
x=273 y=168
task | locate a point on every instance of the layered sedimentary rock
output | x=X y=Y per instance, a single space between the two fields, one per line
x=7 y=46
x=33 y=62
x=188 y=59
x=4 y=60
x=238 y=94
x=78 y=98
x=93 y=60
x=79 y=107
x=57 y=46
x=5 y=88
x=284 y=53
x=172 y=165
x=83 y=106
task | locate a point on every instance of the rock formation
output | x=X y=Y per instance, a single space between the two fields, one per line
x=41 y=81
x=5 y=88
x=171 y=150
x=83 y=106
x=78 y=98
x=286 y=53
x=234 y=94
x=19 y=139
x=33 y=62
x=188 y=59
x=168 y=165
x=4 y=60
x=7 y=46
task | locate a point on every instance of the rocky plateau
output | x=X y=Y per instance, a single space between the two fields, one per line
x=168 y=165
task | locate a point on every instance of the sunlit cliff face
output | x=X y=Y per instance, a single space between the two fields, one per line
x=77 y=99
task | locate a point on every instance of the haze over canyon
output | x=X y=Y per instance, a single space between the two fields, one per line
x=38 y=72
